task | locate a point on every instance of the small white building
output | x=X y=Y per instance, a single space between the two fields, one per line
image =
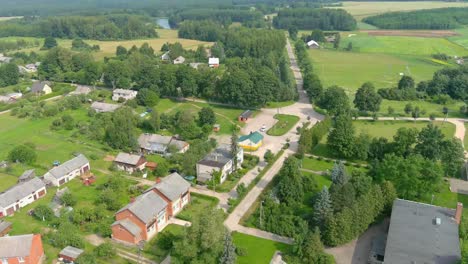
x=20 y=195
x=123 y=93
x=213 y=62
x=313 y=44
x=221 y=160
x=179 y=60
x=165 y=56
x=69 y=170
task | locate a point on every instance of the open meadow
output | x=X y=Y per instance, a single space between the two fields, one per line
x=361 y=10
x=108 y=48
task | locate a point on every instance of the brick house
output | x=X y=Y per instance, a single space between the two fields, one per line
x=130 y=162
x=23 y=249
x=67 y=171
x=20 y=195
x=150 y=212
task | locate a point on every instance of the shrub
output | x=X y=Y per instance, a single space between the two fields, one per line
x=43 y=213
x=241 y=251
x=105 y=250
x=23 y=153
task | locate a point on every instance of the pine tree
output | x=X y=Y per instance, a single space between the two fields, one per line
x=322 y=207
x=229 y=254
x=339 y=175
x=234 y=147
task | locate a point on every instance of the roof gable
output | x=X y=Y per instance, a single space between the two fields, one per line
x=20 y=191
x=15 y=246
x=68 y=166
x=146 y=206
x=172 y=186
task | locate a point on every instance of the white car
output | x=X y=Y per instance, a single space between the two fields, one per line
x=263 y=129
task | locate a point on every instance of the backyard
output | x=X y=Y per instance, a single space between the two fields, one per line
x=257 y=250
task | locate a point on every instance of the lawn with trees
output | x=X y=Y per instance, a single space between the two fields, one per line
x=256 y=250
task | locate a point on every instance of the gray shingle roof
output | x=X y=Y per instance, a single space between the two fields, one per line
x=71 y=252
x=129 y=225
x=27 y=175
x=4 y=225
x=415 y=237
x=146 y=206
x=69 y=166
x=218 y=158
x=159 y=143
x=15 y=246
x=127 y=158
x=38 y=86
x=20 y=191
x=172 y=186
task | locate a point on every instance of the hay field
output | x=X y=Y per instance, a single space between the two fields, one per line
x=361 y=10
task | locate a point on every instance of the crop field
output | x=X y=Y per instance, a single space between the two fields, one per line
x=411 y=45
x=361 y=10
x=462 y=38
x=108 y=48
x=351 y=69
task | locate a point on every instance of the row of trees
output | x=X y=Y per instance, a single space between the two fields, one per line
x=224 y=16
x=315 y=18
x=105 y=27
x=441 y=18
x=312 y=84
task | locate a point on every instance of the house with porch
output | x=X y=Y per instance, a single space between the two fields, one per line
x=69 y=170
x=22 y=249
x=20 y=195
x=130 y=162
x=219 y=160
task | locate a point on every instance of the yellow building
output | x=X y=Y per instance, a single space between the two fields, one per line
x=251 y=142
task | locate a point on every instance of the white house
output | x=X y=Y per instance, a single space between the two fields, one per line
x=123 y=93
x=165 y=56
x=179 y=60
x=313 y=44
x=221 y=160
x=213 y=62
x=67 y=171
x=20 y=195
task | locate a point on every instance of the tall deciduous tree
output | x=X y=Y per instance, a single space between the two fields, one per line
x=430 y=141
x=341 y=138
x=334 y=100
x=367 y=99
x=206 y=116
x=49 y=43
x=120 y=133
x=452 y=157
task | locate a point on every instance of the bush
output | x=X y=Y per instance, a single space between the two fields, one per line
x=23 y=153
x=105 y=250
x=241 y=251
x=43 y=213
x=68 y=199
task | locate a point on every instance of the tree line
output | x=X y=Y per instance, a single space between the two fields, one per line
x=103 y=27
x=440 y=18
x=314 y=18
x=9 y=74
x=225 y=16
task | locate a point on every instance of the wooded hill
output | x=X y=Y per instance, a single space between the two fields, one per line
x=440 y=18
x=314 y=18
x=224 y=16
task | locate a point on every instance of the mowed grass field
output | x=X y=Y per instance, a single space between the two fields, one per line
x=351 y=69
x=361 y=10
x=108 y=48
x=462 y=39
x=258 y=250
x=388 y=129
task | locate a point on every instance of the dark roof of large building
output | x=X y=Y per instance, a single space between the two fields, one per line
x=422 y=234
x=172 y=186
x=217 y=158
x=15 y=246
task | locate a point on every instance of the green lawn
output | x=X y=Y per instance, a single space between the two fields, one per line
x=279 y=104
x=462 y=39
x=428 y=107
x=7 y=181
x=465 y=140
x=362 y=42
x=351 y=69
x=322 y=180
x=284 y=124
x=258 y=250
x=388 y=129
x=310 y=163
x=199 y=203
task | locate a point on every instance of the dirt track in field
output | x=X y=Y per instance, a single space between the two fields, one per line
x=413 y=33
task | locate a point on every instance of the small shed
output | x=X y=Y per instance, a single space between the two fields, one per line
x=150 y=165
x=5 y=228
x=313 y=44
x=216 y=127
x=244 y=117
x=70 y=254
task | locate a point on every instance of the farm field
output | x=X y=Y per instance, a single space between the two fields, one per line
x=258 y=250
x=462 y=39
x=361 y=10
x=108 y=48
x=351 y=69
x=411 y=45
x=430 y=108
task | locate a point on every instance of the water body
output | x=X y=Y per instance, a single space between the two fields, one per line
x=163 y=22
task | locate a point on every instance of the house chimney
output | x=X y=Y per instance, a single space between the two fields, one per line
x=158 y=180
x=458 y=213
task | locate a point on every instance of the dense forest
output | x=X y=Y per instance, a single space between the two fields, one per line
x=314 y=18
x=225 y=16
x=106 y=27
x=441 y=18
